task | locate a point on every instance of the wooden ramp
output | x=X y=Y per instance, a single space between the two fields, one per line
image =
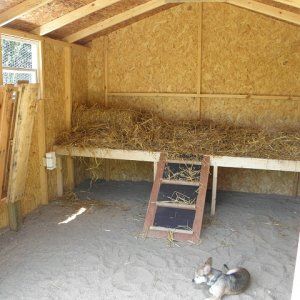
x=189 y=234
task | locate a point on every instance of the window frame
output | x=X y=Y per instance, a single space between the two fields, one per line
x=35 y=70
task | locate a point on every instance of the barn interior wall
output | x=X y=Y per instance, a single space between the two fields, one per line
x=54 y=92
x=210 y=48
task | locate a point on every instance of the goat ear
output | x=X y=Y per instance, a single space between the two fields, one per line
x=207 y=269
x=209 y=261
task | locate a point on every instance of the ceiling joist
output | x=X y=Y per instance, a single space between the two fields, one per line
x=267 y=10
x=73 y=16
x=18 y=10
x=294 y=3
x=131 y=13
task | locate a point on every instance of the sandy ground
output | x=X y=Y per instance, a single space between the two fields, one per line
x=99 y=254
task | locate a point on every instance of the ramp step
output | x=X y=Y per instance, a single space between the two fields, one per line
x=180 y=182
x=176 y=205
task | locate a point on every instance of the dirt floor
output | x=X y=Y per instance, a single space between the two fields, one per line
x=99 y=254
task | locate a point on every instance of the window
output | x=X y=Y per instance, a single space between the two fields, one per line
x=19 y=60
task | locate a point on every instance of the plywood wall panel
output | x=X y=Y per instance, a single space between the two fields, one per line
x=168 y=108
x=79 y=76
x=257 y=181
x=267 y=114
x=54 y=101
x=158 y=54
x=242 y=52
x=246 y=52
x=96 y=71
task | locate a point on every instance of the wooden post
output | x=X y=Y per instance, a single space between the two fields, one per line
x=42 y=131
x=214 y=191
x=25 y=111
x=68 y=105
x=5 y=123
x=106 y=162
x=155 y=164
x=59 y=176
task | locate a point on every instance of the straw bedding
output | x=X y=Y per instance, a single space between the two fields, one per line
x=137 y=130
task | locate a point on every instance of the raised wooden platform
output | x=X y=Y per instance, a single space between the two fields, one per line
x=149 y=156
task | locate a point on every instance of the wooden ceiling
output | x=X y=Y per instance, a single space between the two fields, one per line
x=79 y=21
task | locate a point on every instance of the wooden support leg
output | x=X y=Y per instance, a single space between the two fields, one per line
x=214 y=191
x=70 y=173
x=154 y=169
x=60 y=182
x=15 y=215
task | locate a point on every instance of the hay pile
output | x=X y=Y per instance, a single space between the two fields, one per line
x=136 y=130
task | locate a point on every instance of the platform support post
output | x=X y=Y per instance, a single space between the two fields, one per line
x=214 y=190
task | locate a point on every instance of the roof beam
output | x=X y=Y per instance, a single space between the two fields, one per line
x=131 y=13
x=74 y=15
x=294 y=3
x=16 y=11
x=268 y=10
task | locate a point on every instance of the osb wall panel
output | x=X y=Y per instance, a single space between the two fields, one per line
x=242 y=52
x=158 y=54
x=54 y=101
x=79 y=82
x=79 y=75
x=96 y=70
x=246 y=52
x=268 y=182
x=267 y=114
x=166 y=107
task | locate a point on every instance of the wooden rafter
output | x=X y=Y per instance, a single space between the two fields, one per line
x=131 y=13
x=73 y=16
x=294 y=3
x=268 y=10
x=18 y=10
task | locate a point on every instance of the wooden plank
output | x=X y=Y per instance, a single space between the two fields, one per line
x=18 y=10
x=174 y=230
x=5 y=123
x=59 y=177
x=180 y=182
x=214 y=191
x=151 y=210
x=41 y=130
x=196 y=1
x=68 y=105
x=175 y=205
x=200 y=95
x=74 y=15
x=26 y=110
x=255 y=163
x=200 y=202
x=108 y=153
x=14 y=215
x=293 y=3
x=131 y=13
x=268 y=10
x=178 y=235
x=34 y=37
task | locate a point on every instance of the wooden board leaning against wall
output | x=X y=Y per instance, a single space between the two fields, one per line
x=149 y=64
x=56 y=93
